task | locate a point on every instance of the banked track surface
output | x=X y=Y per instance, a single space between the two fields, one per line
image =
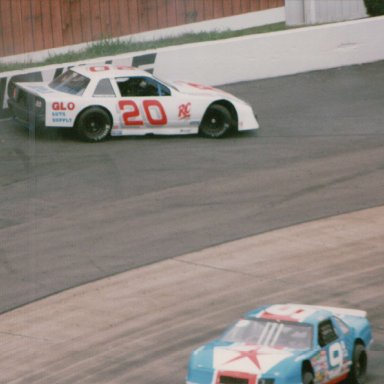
x=71 y=212
x=140 y=326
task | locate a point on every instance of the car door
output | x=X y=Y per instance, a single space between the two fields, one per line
x=334 y=351
x=146 y=103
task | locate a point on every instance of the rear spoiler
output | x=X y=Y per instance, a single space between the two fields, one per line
x=338 y=311
x=37 y=89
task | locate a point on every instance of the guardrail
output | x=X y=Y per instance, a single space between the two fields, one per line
x=242 y=59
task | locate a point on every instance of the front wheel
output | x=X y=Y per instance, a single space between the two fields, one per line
x=217 y=122
x=358 y=371
x=94 y=124
x=308 y=377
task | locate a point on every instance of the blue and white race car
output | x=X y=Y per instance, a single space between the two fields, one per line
x=287 y=344
x=98 y=101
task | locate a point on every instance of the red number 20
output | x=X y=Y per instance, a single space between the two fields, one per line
x=153 y=110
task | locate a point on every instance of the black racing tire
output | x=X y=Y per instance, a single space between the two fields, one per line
x=358 y=373
x=307 y=376
x=93 y=125
x=217 y=122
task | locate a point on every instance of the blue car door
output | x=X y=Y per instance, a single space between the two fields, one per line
x=334 y=349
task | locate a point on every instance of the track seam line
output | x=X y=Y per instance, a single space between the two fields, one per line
x=216 y=268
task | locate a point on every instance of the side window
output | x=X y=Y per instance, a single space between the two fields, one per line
x=341 y=325
x=327 y=333
x=164 y=91
x=104 y=88
x=141 y=87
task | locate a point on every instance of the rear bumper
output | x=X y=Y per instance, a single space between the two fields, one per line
x=26 y=113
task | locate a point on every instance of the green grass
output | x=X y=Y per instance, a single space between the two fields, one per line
x=111 y=47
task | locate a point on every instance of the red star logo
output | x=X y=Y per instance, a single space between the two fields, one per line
x=251 y=354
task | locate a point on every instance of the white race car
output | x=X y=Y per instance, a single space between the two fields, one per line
x=98 y=101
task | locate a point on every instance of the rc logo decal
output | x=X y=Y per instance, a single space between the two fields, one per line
x=185 y=111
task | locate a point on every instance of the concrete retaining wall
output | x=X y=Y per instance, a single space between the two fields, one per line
x=276 y=54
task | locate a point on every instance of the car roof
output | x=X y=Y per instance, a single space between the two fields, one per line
x=100 y=71
x=295 y=313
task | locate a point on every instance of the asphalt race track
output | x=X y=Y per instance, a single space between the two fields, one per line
x=72 y=212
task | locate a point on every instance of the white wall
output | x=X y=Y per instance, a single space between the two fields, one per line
x=275 y=54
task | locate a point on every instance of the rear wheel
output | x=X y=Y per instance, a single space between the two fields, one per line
x=359 y=365
x=94 y=124
x=217 y=122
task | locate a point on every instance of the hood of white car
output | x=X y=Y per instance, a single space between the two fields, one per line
x=199 y=89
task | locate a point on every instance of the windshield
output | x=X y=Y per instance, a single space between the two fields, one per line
x=270 y=333
x=166 y=83
x=70 y=82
